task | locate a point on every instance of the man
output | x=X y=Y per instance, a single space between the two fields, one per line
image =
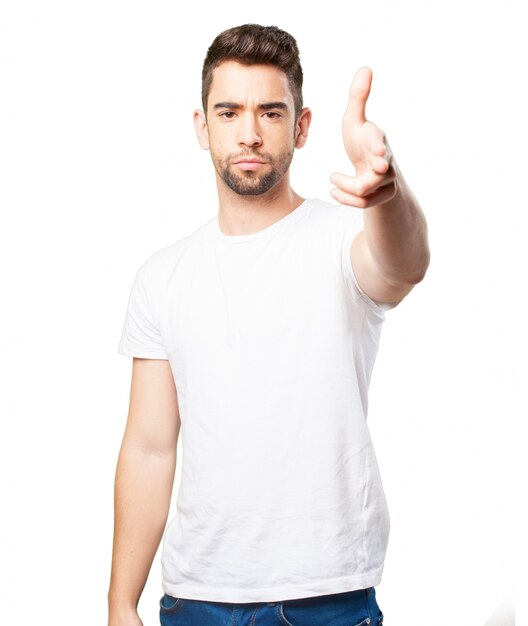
x=257 y=335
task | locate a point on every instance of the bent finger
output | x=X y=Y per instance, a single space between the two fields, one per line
x=374 y=139
x=381 y=196
x=364 y=184
x=382 y=164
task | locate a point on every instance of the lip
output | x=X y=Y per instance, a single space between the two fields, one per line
x=249 y=164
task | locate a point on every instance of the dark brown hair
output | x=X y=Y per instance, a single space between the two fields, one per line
x=250 y=44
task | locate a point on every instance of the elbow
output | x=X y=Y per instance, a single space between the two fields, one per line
x=419 y=272
x=422 y=267
x=426 y=256
x=415 y=273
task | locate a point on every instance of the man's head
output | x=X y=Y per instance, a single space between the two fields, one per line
x=253 y=44
x=253 y=116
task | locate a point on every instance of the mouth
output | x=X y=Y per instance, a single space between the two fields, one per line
x=249 y=164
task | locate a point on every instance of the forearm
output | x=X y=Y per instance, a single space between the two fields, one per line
x=396 y=235
x=142 y=493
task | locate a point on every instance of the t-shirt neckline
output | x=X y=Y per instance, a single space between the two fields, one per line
x=290 y=217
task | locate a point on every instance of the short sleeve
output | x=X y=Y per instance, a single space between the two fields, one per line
x=351 y=223
x=141 y=336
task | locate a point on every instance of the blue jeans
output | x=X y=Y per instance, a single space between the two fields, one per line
x=352 y=608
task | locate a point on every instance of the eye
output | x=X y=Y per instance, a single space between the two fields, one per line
x=272 y=115
x=227 y=114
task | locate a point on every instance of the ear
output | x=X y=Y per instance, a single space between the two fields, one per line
x=302 y=126
x=200 y=125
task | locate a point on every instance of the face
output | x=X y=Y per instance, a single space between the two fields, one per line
x=250 y=127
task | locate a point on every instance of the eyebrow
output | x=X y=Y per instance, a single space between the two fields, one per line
x=264 y=106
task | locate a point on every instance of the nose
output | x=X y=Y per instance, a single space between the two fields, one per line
x=249 y=132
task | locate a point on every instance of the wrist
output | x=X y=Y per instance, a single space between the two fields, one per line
x=121 y=604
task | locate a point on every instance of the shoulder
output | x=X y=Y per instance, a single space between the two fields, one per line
x=165 y=259
x=338 y=214
x=340 y=222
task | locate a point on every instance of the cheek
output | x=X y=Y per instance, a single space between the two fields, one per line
x=288 y=141
x=216 y=147
x=219 y=141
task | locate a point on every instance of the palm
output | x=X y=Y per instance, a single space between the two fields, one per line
x=356 y=139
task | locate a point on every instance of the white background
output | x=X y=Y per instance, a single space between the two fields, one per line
x=99 y=168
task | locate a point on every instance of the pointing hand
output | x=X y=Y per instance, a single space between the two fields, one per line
x=367 y=149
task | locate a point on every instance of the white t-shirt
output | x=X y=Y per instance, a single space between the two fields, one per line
x=271 y=343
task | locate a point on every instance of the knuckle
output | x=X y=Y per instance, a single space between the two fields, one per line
x=362 y=203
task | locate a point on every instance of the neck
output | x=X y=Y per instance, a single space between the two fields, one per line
x=244 y=215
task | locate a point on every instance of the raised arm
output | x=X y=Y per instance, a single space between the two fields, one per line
x=143 y=485
x=392 y=253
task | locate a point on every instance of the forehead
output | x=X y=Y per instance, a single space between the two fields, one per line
x=235 y=82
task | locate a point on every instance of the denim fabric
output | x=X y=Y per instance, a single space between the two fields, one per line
x=352 y=608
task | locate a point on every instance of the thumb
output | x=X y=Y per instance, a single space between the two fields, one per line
x=359 y=92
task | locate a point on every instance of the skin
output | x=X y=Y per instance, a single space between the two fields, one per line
x=144 y=481
x=389 y=257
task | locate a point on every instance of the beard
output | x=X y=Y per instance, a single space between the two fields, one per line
x=249 y=182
